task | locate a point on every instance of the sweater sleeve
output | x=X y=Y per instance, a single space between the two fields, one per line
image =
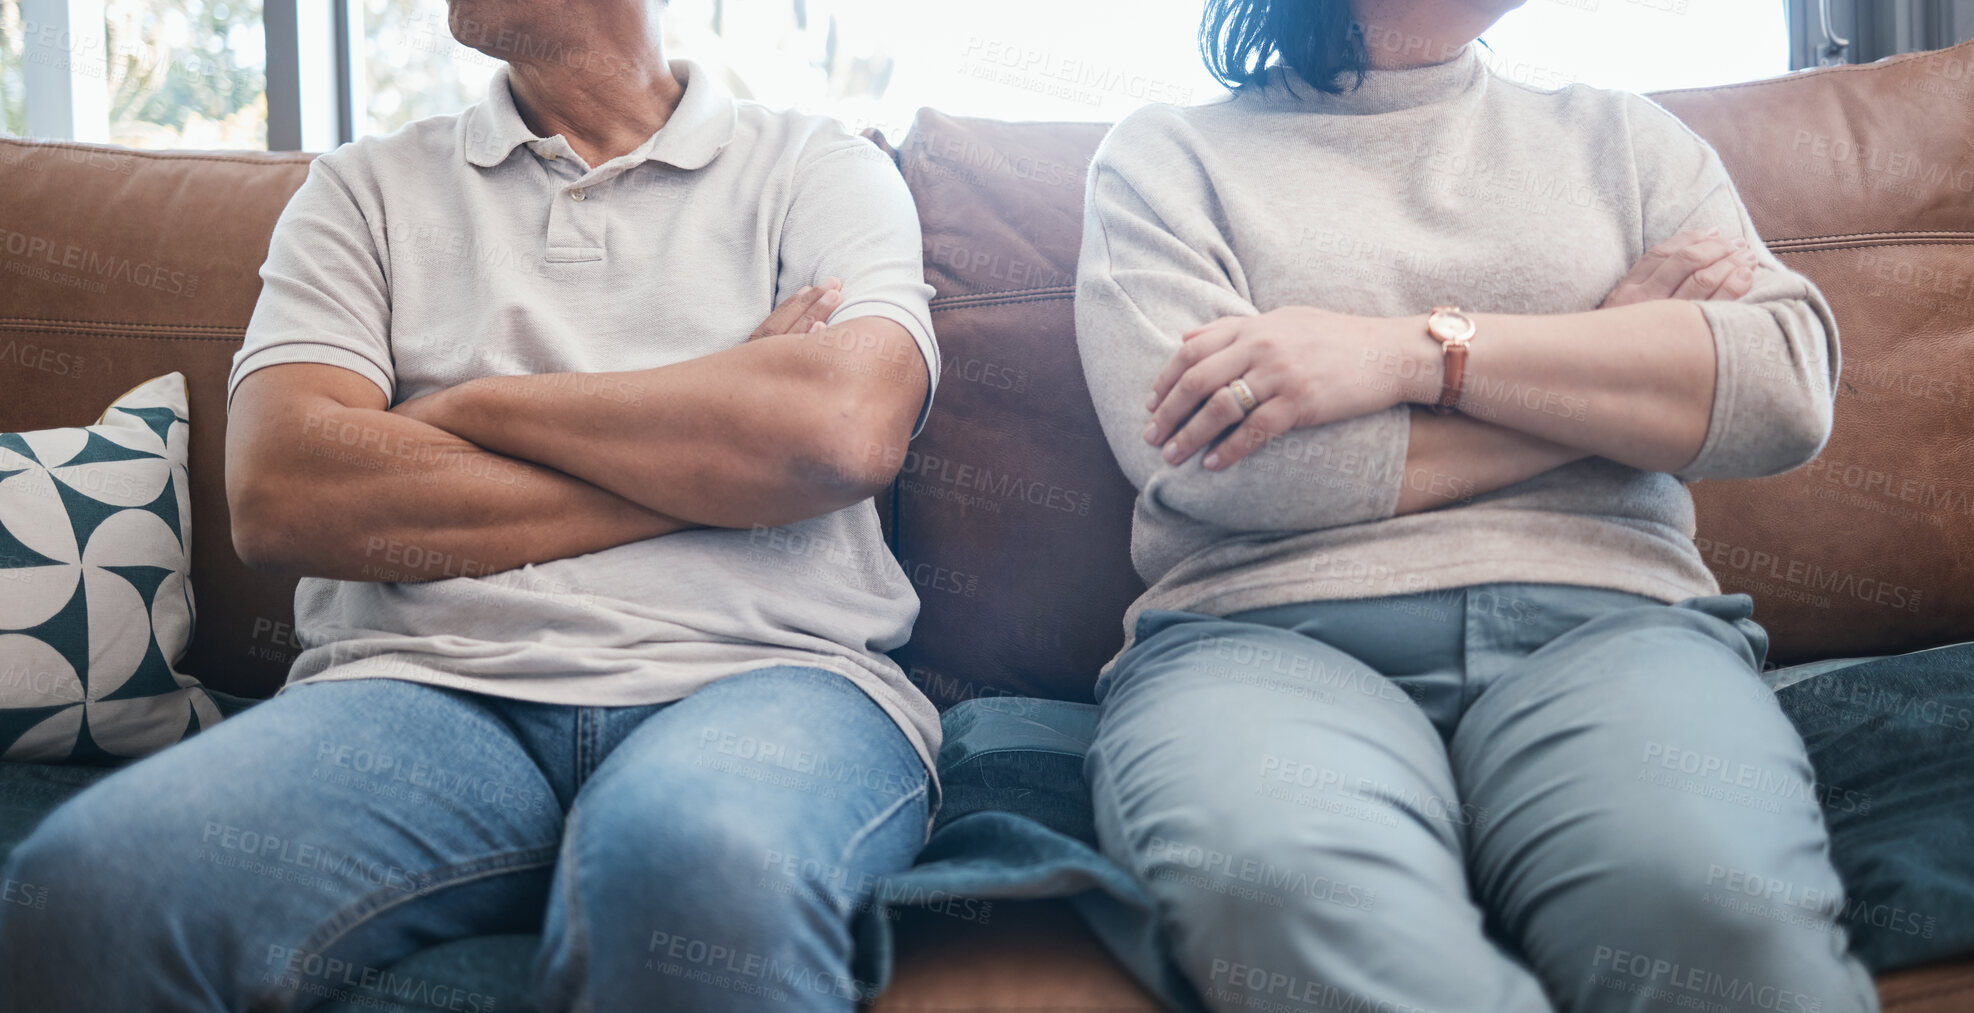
x=1154 y=265
x=1775 y=349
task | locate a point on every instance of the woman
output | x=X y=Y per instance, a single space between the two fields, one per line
x=1432 y=703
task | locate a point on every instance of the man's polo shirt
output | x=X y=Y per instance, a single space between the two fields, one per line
x=466 y=246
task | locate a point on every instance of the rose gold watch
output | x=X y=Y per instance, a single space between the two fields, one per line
x=1453 y=330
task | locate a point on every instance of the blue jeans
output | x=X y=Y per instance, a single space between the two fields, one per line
x=1509 y=798
x=705 y=854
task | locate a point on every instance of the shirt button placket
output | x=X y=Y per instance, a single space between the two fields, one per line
x=569 y=229
x=575 y=229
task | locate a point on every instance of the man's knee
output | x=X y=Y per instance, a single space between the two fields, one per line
x=72 y=874
x=74 y=841
x=740 y=862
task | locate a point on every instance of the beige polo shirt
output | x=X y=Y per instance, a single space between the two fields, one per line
x=466 y=246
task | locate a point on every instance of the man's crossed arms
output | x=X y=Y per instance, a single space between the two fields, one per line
x=800 y=420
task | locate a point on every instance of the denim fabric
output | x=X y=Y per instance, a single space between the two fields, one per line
x=1015 y=823
x=1893 y=744
x=1018 y=754
x=707 y=854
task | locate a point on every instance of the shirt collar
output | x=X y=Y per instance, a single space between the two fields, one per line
x=698 y=129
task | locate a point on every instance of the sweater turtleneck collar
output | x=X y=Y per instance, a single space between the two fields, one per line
x=1384 y=91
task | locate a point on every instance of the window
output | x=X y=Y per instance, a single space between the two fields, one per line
x=13 y=86
x=1641 y=45
x=412 y=66
x=186 y=73
x=875 y=62
x=143 y=73
x=244 y=73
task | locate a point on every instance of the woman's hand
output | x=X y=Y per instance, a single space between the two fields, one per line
x=1303 y=366
x=1691 y=265
x=1307 y=367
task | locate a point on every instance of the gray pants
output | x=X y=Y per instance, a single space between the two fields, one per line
x=1509 y=797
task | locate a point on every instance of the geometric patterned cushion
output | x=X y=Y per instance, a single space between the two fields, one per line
x=95 y=585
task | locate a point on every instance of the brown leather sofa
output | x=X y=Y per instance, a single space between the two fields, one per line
x=1009 y=513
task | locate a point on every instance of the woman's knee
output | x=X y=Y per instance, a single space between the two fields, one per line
x=1209 y=705
x=1729 y=897
x=1225 y=867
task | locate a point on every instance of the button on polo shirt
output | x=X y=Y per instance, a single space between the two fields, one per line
x=467 y=246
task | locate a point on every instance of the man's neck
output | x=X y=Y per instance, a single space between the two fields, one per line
x=604 y=102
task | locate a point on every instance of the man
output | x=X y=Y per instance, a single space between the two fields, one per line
x=594 y=590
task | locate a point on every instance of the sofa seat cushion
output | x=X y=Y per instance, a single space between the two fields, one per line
x=1032 y=956
x=1935 y=988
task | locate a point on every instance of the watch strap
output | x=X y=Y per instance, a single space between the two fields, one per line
x=1453 y=330
x=1456 y=375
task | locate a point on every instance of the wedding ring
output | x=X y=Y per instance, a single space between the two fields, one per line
x=1244 y=395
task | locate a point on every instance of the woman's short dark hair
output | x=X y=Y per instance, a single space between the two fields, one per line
x=1315 y=38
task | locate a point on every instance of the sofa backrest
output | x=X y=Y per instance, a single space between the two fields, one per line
x=117 y=266
x=1860 y=177
x=1009 y=514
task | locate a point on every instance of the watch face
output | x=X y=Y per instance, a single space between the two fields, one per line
x=1450 y=327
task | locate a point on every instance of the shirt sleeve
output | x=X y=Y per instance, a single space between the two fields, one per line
x=1154 y=265
x=323 y=296
x=852 y=218
x=1775 y=349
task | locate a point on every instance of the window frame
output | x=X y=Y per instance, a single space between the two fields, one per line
x=309 y=73
x=1828 y=32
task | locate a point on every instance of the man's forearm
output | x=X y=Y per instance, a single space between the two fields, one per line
x=362 y=494
x=773 y=431
x=1450 y=459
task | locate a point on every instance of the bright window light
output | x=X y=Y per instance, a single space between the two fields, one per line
x=1642 y=45
x=875 y=62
